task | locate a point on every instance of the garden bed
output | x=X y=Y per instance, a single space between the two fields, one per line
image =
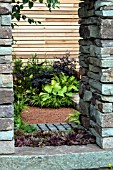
x=36 y=115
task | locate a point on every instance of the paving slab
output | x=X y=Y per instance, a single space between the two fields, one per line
x=57 y=158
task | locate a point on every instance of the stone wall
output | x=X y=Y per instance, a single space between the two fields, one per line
x=96 y=69
x=6 y=79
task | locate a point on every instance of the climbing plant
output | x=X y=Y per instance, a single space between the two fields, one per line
x=18 y=5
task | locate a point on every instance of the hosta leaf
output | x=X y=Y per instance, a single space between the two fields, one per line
x=56 y=88
x=53 y=82
x=48 y=88
x=62 y=91
x=71 y=78
x=69 y=94
x=72 y=87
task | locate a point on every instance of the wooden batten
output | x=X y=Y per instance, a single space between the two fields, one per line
x=57 y=34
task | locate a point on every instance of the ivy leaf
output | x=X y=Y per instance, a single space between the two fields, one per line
x=31 y=4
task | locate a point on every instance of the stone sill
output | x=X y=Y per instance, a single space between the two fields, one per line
x=57 y=158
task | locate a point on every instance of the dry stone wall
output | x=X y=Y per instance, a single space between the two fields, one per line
x=96 y=69
x=6 y=79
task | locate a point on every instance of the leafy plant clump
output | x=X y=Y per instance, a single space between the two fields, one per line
x=42 y=85
x=19 y=105
x=45 y=138
x=74 y=117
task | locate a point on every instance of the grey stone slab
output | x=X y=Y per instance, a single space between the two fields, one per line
x=6 y=111
x=60 y=158
x=60 y=127
x=6 y=147
x=105 y=142
x=5 y=68
x=6 y=95
x=52 y=127
x=87 y=95
x=104 y=107
x=6 y=124
x=6 y=19
x=5 y=8
x=105 y=13
x=6 y=80
x=6 y=135
x=5 y=51
x=84 y=107
x=5 y=41
x=43 y=127
x=105 y=63
x=105 y=89
x=104 y=98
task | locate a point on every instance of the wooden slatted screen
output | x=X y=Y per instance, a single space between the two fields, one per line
x=57 y=34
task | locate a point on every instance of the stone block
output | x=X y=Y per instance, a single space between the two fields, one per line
x=5 y=51
x=101 y=52
x=99 y=4
x=85 y=49
x=6 y=135
x=106 y=62
x=105 y=89
x=5 y=68
x=94 y=68
x=91 y=31
x=84 y=79
x=104 y=98
x=5 y=59
x=94 y=76
x=103 y=43
x=6 y=80
x=5 y=8
x=86 y=42
x=105 y=143
x=83 y=71
x=5 y=42
x=104 y=75
x=85 y=121
x=6 y=96
x=99 y=131
x=81 y=89
x=5 y=32
x=104 y=13
x=92 y=112
x=104 y=107
x=104 y=120
x=6 y=20
x=6 y=147
x=6 y=124
x=84 y=107
x=87 y=96
x=6 y=111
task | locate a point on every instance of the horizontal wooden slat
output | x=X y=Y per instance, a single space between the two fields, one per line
x=75 y=42
x=21 y=45
x=47 y=27
x=46 y=38
x=57 y=34
x=46 y=34
x=21 y=23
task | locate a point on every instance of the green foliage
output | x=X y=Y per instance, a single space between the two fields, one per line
x=19 y=5
x=19 y=106
x=57 y=93
x=42 y=85
x=74 y=117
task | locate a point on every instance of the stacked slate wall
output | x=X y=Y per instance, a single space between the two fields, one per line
x=6 y=79
x=96 y=69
